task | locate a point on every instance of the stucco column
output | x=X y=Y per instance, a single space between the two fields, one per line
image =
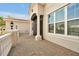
x=30 y=33
x=38 y=36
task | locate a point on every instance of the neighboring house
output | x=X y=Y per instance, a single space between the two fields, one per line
x=20 y=24
x=56 y=22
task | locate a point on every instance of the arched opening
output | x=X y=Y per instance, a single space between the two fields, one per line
x=34 y=24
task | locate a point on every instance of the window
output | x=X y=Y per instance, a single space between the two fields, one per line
x=73 y=27
x=71 y=11
x=51 y=22
x=51 y=28
x=73 y=19
x=59 y=21
x=60 y=27
x=77 y=10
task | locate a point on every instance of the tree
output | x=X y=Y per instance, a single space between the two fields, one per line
x=2 y=22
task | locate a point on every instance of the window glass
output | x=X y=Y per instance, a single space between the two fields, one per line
x=60 y=15
x=51 y=18
x=71 y=11
x=60 y=21
x=60 y=27
x=77 y=9
x=51 y=22
x=51 y=28
x=73 y=27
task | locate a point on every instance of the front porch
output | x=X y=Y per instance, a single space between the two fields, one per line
x=28 y=46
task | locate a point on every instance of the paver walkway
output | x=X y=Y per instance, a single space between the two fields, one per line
x=28 y=46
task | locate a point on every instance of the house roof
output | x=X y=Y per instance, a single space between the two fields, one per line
x=14 y=19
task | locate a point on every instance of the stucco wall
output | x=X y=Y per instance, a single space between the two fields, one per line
x=33 y=9
x=40 y=9
x=36 y=8
x=5 y=44
x=21 y=25
x=70 y=42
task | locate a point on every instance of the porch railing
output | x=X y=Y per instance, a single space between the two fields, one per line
x=5 y=44
x=7 y=41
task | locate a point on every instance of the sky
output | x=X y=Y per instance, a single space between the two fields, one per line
x=16 y=10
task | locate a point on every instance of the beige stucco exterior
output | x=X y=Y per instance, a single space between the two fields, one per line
x=22 y=25
x=70 y=42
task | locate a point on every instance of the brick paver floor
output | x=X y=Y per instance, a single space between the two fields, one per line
x=28 y=46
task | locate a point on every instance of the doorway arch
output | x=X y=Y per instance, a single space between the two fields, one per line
x=34 y=24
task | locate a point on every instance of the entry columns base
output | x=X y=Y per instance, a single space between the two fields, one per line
x=38 y=37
